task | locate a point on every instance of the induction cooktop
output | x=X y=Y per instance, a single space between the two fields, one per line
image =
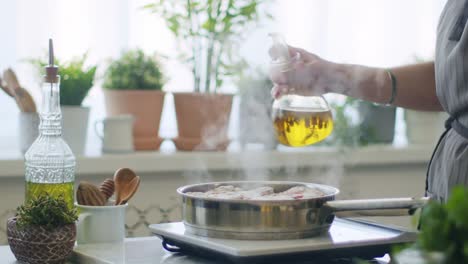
x=345 y=239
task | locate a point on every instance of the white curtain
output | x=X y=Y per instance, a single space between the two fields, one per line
x=371 y=32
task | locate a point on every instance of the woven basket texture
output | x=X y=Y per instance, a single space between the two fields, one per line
x=36 y=245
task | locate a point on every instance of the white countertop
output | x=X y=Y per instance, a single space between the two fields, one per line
x=144 y=250
x=150 y=162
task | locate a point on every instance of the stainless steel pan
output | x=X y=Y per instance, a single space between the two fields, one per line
x=273 y=219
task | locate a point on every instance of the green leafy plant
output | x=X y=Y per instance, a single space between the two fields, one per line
x=45 y=210
x=211 y=32
x=76 y=78
x=134 y=71
x=345 y=133
x=444 y=227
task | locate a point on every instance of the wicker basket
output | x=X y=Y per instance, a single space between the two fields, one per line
x=36 y=245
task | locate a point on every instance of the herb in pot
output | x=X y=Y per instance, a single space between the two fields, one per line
x=43 y=230
x=444 y=233
x=444 y=227
x=134 y=70
x=45 y=211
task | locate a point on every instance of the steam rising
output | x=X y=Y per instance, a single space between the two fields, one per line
x=311 y=76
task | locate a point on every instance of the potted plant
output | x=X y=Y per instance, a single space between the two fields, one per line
x=210 y=32
x=132 y=85
x=443 y=236
x=346 y=132
x=76 y=81
x=43 y=230
x=376 y=123
x=255 y=97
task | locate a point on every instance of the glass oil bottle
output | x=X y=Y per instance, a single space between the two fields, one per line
x=298 y=120
x=50 y=163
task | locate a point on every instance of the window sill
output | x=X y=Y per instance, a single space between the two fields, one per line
x=151 y=162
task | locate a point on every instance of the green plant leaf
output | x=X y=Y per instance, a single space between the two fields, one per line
x=173 y=23
x=209 y=25
x=134 y=71
x=45 y=210
x=249 y=10
x=76 y=79
x=204 y=24
x=444 y=227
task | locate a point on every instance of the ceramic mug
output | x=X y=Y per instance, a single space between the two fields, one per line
x=117 y=133
x=100 y=224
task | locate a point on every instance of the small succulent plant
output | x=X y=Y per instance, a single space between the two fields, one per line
x=45 y=210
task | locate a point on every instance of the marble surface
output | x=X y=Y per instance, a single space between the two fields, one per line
x=144 y=250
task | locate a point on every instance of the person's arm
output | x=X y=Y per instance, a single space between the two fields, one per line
x=415 y=85
x=311 y=75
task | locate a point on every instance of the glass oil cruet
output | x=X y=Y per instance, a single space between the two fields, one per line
x=50 y=163
x=298 y=120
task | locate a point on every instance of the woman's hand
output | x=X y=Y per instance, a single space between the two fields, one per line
x=308 y=74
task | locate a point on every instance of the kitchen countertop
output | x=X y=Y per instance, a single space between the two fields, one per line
x=143 y=250
x=151 y=162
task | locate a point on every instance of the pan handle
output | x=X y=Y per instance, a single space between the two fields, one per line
x=377 y=204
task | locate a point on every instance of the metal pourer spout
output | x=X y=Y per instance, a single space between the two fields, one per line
x=51 y=69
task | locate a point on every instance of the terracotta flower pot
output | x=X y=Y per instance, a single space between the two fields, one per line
x=36 y=245
x=202 y=121
x=146 y=107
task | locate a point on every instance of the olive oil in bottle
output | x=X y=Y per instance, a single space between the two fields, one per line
x=298 y=120
x=65 y=190
x=50 y=164
x=301 y=128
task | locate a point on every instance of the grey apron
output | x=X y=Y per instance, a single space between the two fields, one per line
x=449 y=163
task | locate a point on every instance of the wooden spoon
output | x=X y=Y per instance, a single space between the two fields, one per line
x=5 y=88
x=126 y=184
x=23 y=99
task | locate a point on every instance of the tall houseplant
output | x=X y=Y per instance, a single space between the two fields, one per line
x=76 y=81
x=209 y=33
x=132 y=85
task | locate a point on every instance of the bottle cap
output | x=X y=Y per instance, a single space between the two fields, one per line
x=51 y=69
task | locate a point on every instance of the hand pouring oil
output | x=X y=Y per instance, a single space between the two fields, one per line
x=50 y=164
x=298 y=120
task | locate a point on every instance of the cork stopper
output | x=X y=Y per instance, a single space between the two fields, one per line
x=51 y=69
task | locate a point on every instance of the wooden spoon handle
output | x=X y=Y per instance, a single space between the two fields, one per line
x=25 y=100
x=5 y=88
x=11 y=79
